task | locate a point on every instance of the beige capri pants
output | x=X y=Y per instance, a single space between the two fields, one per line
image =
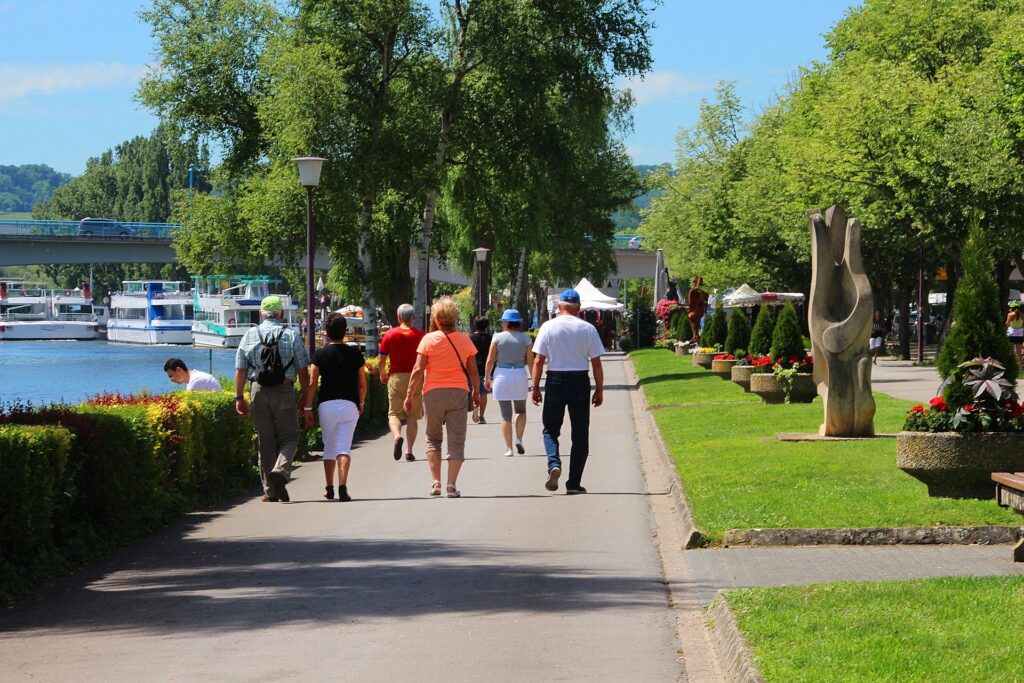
x=446 y=408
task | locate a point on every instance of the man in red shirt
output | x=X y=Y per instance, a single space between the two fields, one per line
x=399 y=346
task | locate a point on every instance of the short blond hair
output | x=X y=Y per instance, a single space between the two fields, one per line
x=445 y=312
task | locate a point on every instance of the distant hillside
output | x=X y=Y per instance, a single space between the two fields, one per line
x=628 y=220
x=22 y=187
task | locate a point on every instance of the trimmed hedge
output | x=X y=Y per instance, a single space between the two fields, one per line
x=761 y=336
x=82 y=479
x=715 y=329
x=738 y=338
x=787 y=341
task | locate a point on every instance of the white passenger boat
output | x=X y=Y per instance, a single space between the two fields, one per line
x=151 y=312
x=228 y=305
x=31 y=312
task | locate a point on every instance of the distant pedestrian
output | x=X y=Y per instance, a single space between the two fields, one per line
x=510 y=359
x=1015 y=330
x=271 y=356
x=481 y=338
x=338 y=370
x=194 y=380
x=570 y=346
x=877 y=335
x=398 y=356
x=446 y=371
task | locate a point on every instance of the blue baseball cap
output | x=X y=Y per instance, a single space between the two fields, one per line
x=510 y=315
x=570 y=296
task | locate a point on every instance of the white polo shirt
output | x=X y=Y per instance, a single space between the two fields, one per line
x=202 y=381
x=569 y=344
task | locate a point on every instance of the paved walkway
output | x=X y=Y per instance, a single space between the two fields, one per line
x=509 y=583
x=903 y=379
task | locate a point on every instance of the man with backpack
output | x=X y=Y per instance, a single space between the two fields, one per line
x=270 y=356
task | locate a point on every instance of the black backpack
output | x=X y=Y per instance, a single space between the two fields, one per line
x=269 y=368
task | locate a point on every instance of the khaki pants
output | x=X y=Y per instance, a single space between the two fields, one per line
x=398 y=387
x=446 y=408
x=275 y=413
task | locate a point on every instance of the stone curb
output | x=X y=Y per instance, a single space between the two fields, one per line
x=695 y=538
x=915 y=535
x=734 y=655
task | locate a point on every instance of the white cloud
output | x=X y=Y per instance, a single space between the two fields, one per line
x=18 y=81
x=662 y=85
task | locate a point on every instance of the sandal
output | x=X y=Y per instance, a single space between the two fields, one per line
x=329 y=492
x=453 y=492
x=435 y=488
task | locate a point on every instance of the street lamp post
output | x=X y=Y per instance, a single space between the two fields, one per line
x=481 y=260
x=309 y=176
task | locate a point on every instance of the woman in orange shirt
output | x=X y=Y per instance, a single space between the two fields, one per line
x=446 y=369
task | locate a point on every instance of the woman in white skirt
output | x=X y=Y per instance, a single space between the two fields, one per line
x=338 y=371
x=507 y=376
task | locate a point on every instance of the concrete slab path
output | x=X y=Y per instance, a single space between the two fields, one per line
x=508 y=583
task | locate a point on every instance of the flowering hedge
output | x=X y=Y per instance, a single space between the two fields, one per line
x=133 y=463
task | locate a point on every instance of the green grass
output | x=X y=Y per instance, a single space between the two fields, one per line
x=737 y=476
x=962 y=629
x=16 y=215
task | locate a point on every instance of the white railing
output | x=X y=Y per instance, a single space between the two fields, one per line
x=16 y=317
x=76 y=317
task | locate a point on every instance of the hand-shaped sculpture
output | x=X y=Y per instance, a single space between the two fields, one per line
x=840 y=321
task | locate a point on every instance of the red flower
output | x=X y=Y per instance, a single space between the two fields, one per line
x=938 y=403
x=969 y=408
x=917 y=409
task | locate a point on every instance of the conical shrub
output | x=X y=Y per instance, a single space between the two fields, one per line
x=715 y=329
x=681 y=326
x=761 y=336
x=786 y=339
x=978 y=329
x=739 y=332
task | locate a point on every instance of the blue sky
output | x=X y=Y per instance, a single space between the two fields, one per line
x=69 y=68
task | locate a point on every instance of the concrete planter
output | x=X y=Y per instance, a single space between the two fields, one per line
x=769 y=387
x=704 y=359
x=741 y=375
x=682 y=349
x=723 y=368
x=956 y=465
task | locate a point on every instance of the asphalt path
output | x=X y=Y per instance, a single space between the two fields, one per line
x=508 y=583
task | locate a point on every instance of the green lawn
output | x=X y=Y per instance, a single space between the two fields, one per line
x=962 y=629
x=737 y=476
x=16 y=215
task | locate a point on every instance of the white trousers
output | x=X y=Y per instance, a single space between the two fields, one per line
x=338 y=420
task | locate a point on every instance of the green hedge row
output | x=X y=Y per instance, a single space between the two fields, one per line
x=79 y=480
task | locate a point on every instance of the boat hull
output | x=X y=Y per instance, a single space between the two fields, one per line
x=38 y=330
x=148 y=335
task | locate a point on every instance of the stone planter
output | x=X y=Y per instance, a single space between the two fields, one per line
x=769 y=387
x=682 y=349
x=704 y=359
x=956 y=465
x=741 y=375
x=723 y=368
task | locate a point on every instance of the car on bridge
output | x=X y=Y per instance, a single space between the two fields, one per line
x=105 y=227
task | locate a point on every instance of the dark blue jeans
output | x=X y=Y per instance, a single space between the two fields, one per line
x=567 y=390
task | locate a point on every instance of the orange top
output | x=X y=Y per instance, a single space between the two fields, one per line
x=443 y=369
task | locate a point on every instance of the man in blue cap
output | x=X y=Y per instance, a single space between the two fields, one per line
x=571 y=347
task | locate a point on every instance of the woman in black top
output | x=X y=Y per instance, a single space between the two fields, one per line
x=482 y=341
x=338 y=369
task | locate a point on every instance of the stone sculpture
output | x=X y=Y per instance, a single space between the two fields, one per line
x=840 y=320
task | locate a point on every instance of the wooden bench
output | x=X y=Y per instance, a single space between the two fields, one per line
x=1010 y=494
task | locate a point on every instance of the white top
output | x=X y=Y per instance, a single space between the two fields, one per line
x=569 y=343
x=202 y=381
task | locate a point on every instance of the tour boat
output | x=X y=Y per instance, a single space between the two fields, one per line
x=151 y=312
x=228 y=305
x=31 y=312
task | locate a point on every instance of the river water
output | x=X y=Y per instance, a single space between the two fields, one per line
x=57 y=371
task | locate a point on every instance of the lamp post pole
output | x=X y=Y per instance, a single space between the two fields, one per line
x=309 y=176
x=481 y=263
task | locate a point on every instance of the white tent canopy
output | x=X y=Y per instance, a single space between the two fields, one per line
x=745 y=295
x=591 y=299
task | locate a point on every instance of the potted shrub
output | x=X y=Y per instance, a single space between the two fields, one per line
x=741 y=372
x=954 y=447
x=704 y=356
x=738 y=337
x=715 y=330
x=761 y=335
x=722 y=363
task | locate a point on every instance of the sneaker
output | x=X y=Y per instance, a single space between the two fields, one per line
x=278 y=481
x=397 y=451
x=410 y=457
x=552 y=483
x=574 y=490
x=508 y=453
x=435 y=488
x=343 y=494
x=453 y=492
x=519 y=447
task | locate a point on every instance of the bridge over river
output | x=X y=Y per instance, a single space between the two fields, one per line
x=29 y=243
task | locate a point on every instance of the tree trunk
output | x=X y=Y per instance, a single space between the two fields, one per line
x=903 y=303
x=519 y=296
x=367 y=300
x=1003 y=269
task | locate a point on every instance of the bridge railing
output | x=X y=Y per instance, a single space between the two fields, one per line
x=33 y=228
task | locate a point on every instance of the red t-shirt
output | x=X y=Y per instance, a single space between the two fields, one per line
x=400 y=344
